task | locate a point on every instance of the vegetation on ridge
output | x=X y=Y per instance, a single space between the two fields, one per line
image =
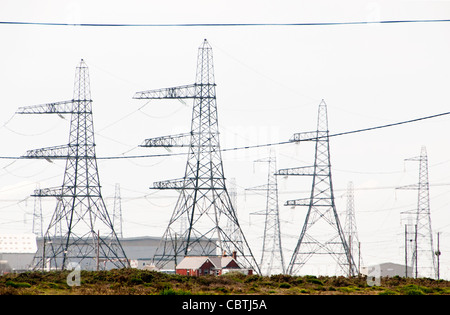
x=144 y=282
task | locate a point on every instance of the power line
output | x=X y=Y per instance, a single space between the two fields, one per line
x=221 y=24
x=261 y=145
x=341 y=133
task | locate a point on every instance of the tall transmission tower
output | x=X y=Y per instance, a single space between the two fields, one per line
x=37 y=216
x=322 y=232
x=80 y=231
x=204 y=202
x=350 y=227
x=117 y=212
x=230 y=225
x=272 y=261
x=422 y=257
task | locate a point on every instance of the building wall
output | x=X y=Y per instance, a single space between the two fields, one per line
x=17 y=251
x=386 y=270
x=139 y=250
x=206 y=269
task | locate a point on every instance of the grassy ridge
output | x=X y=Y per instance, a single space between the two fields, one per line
x=142 y=282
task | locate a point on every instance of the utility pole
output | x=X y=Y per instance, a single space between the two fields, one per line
x=406 y=251
x=80 y=210
x=359 y=258
x=321 y=208
x=204 y=201
x=415 y=248
x=438 y=254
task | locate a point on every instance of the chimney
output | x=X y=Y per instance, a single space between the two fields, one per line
x=234 y=255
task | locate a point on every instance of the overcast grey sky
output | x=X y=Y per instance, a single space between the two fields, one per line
x=270 y=80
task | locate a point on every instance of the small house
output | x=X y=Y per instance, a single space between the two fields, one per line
x=208 y=265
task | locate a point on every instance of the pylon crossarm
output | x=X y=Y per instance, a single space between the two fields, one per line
x=298 y=202
x=179 y=140
x=177 y=92
x=48 y=192
x=56 y=152
x=179 y=183
x=308 y=136
x=300 y=171
x=64 y=107
x=258 y=188
x=409 y=187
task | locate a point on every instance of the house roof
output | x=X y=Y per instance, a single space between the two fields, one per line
x=192 y=262
x=222 y=262
x=195 y=262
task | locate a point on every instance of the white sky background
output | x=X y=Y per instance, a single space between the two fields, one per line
x=270 y=80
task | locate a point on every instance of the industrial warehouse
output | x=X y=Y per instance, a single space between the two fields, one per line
x=18 y=253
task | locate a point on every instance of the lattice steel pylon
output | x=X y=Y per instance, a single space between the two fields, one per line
x=230 y=225
x=117 y=212
x=322 y=232
x=422 y=256
x=350 y=227
x=37 y=216
x=80 y=233
x=204 y=202
x=272 y=260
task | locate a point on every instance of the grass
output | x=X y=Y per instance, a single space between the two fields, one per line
x=142 y=282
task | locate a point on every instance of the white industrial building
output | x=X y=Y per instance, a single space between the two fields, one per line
x=18 y=250
x=386 y=270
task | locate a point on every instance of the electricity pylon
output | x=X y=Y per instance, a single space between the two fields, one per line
x=322 y=233
x=80 y=232
x=422 y=253
x=230 y=225
x=204 y=202
x=117 y=211
x=350 y=227
x=37 y=216
x=272 y=261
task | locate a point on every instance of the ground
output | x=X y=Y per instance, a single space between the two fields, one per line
x=142 y=282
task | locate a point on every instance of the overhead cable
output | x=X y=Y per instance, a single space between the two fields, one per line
x=261 y=145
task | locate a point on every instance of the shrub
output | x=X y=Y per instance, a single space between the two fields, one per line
x=340 y=281
x=412 y=289
x=170 y=291
x=251 y=278
x=304 y=291
x=314 y=281
x=346 y=289
x=298 y=281
x=13 y=284
x=222 y=290
x=284 y=285
x=388 y=292
x=235 y=276
x=136 y=280
x=280 y=278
